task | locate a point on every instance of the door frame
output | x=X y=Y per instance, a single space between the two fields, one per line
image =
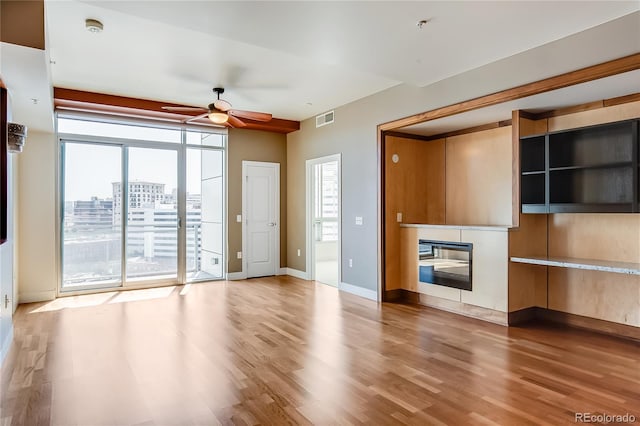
x=124 y=146
x=310 y=247
x=276 y=195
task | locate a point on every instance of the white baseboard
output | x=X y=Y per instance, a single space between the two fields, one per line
x=297 y=274
x=233 y=276
x=4 y=346
x=39 y=296
x=359 y=291
x=282 y=271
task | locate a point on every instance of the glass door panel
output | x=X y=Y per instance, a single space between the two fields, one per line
x=91 y=238
x=326 y=208
x=205 y=213
x=152 y=214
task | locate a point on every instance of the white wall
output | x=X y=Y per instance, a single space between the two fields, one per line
x=354 y=133
x=7 y=255
x=37 y=208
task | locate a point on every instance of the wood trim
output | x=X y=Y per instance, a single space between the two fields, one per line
x=591 y=324
x=587 y=106
x=381 y=194
x=622 y=100
x=474 y=129
x=397 y=295
x=77 y=100
x=570 y=110
x=406 y=135
x=2 y=85
x=528 y=115
x=522 y=316
x=583 y=75
x=515 y=168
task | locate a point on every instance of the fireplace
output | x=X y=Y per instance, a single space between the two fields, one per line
x=445 y=263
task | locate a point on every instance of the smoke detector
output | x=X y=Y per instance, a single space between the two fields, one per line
x=93 y=25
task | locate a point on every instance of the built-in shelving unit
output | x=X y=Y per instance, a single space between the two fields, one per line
x=590 y=169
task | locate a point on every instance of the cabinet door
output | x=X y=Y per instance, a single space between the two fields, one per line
x=490 y=269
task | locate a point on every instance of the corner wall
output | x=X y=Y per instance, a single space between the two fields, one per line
x=37 y=229
x=253 y=145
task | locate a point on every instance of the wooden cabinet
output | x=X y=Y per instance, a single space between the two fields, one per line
x=590 y=169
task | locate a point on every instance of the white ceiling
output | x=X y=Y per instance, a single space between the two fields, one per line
x=295 y=59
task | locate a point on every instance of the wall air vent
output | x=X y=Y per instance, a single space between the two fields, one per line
x=324 y=119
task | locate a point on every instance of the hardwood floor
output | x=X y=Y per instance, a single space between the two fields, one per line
x=284 y=351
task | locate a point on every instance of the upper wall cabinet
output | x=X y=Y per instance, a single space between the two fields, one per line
x=587 y=170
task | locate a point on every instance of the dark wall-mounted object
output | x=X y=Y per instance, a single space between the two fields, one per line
x=4 y=112
x=592 y=169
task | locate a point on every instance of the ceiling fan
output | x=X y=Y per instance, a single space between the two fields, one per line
x=220 y=112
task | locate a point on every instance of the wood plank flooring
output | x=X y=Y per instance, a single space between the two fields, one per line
x=284 y=351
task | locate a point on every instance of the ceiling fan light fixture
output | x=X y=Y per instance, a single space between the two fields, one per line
x=218 y=117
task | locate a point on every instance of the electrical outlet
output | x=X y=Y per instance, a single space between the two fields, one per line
x=398 y=217
x=358 y=220
x=239 y=218
x=239 y=254
x=350 y=263
x=298 y=252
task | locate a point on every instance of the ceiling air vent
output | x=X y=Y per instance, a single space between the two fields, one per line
x=324 y=119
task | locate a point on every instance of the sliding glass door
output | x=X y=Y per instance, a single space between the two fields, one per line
x=138 y=212
x=91 y=238
x=152 y=214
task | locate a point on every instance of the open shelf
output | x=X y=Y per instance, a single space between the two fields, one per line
x=592 y=166
x=592 y=169
x=532 y=154
x=535 y=208
x=590 y=207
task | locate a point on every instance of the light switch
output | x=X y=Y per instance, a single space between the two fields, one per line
x=398 y=217
x=298 y=252
x=239 y=254
x=358 y=220
x=239 y=218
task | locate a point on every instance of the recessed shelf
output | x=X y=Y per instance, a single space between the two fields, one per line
x=592 y=169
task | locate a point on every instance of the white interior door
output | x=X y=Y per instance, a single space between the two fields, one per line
x=261 y=213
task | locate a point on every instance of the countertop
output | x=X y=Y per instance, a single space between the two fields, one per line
x=588 y=264
x=502 y=228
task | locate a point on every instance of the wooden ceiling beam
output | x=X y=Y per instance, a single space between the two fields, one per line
x=78 y=100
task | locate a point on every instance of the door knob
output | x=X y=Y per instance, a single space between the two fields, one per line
x=272 y=224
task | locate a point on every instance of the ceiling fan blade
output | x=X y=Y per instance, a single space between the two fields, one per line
x=250 y=115
x=235 y=122
x=197 y=117
x=182 y=109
